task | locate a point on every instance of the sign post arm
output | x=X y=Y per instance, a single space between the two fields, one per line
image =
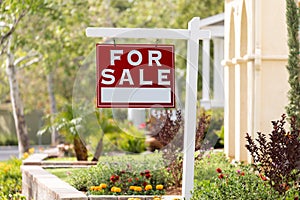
x=190 y=108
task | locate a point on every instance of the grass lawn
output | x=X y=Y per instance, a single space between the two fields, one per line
x=63 y=173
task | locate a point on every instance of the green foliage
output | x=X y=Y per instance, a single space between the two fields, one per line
x=11 y=180
x=220 y=134
x=129 y=171
x=292 y=20
x=205 y=168
x=133 y=140
x=234 y=184
x=6 y=139
x=215 y=134
x=216 y=178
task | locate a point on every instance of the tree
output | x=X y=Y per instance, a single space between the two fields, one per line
x=12 y=12
x=292 y=20
x=69 y=126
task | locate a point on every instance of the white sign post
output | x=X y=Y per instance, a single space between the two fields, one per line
x=193 y=34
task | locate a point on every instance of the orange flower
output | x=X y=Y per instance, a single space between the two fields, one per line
x=159 y=187
x=138 y=189
x=262 y=177
x=103 y=185
x=25 y=155
x=31 y=150
x=112 y=189
x=92 y=188
x=148 y=187
x=132 y=187
x=117 y=189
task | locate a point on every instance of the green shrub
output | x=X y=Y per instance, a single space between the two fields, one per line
x=234 y=184
x=216 y=178
x=133 y=141
x=128 y=170
x=11 y=180
x=8 y=139
x=205 y=168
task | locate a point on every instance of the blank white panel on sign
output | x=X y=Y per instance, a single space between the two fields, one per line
x=135 y=95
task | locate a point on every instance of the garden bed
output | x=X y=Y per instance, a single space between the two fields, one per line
x=215 y=178
x=39 y=183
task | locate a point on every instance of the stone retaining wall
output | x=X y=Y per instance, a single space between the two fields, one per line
x=38 y=184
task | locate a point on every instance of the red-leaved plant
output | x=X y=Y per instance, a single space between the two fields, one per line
x=278 y=157
x=169 y=132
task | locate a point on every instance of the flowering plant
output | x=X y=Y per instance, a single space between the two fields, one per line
x=237 y=182
x=130 y=183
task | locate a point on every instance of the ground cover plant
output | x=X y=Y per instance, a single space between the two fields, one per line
x=11 y=180
x=215 y=178
x=123 y=175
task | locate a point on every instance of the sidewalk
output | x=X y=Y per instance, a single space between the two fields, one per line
x=7 y=152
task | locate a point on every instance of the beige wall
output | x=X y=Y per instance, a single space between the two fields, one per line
x=255 y=72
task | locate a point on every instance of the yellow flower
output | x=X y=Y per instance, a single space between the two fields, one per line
x=159 y=187
x=103 y=185
x=138 y=189
x=113 y=189
x=31 y=150
x=25 y=155
x=148 y=187
x=131 y=198
x=156 y=198
x=7 y=168
x=99 y=188
x=132 y=187
x=92 y=188
x=117 y=189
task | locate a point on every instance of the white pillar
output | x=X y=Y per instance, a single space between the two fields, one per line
x=229 y=110
x=205 y=101
x=137 y=116
x=218 y=87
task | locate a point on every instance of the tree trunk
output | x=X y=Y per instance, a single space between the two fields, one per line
x=53 y=108
x=17 y=104
x=99 y=149
x=80 y=149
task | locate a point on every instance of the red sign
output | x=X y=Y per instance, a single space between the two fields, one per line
x=135 y=75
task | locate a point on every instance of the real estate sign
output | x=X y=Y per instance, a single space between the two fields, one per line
x=135 y=75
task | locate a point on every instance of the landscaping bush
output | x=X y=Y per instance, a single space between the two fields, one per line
x=278 y=158
x=168 y=130
x=11 y=180
x=216 y=178
x=205 y=168
x=234 y=183
x=132 y=140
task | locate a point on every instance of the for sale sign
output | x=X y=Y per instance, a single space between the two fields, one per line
x=135 y=75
